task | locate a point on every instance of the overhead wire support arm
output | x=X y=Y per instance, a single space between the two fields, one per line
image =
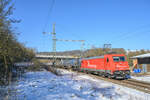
x=82 y=44
x=82 y=41
x=70 y=40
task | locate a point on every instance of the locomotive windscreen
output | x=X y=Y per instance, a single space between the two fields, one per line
x=119 y=58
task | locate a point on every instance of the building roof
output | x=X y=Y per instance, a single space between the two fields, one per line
x=141 y=56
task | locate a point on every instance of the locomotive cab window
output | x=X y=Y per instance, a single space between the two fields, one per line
x=122 y=58
x=117 y=59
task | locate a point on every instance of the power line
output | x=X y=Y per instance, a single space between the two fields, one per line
x=129 y=36
x=64 y=29
x=135 y=30
x=49 y=13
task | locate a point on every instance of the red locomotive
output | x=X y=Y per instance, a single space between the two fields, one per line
x=109 y=65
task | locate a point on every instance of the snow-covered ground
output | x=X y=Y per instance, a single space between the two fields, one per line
x=142 y=78
x=70 y=86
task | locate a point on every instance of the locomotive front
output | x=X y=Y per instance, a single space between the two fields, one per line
x=121 y=67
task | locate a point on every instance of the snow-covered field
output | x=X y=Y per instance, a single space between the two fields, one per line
x=70 y=86
x=142 y=78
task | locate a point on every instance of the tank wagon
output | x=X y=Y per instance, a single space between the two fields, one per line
x=109 y=65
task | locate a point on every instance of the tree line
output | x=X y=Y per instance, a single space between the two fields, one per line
x=11 y=50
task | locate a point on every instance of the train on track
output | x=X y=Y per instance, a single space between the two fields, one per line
x=108 y=65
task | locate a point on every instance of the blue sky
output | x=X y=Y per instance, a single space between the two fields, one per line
x=123 y=23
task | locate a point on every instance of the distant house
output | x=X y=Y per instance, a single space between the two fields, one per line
x=142 y=62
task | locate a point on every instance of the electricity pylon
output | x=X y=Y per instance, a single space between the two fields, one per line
x=54 y=39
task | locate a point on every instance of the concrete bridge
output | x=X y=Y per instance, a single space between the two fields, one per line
x=40 y=56
x=48 y=59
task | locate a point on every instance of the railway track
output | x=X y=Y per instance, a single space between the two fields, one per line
x=131 y=83
x=140 y=85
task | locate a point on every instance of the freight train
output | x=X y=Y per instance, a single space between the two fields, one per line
x=108 y=65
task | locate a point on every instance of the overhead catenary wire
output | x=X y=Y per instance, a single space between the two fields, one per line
x=135 y=30
x=126 y=35
x=130 y=36
x=64 y=46
x=65 y=29
x=81 y=41
x=48 y=16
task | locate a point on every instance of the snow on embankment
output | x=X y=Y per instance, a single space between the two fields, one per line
x=105 y=90
x=70 y=86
